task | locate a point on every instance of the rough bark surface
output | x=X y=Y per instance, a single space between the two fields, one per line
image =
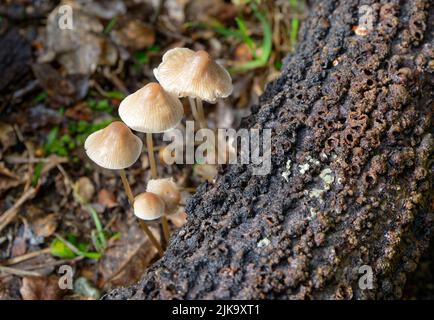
x=351 y=119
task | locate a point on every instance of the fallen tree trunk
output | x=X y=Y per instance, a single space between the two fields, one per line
x=351 y=176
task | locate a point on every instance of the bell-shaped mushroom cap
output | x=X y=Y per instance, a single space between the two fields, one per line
x=148 y=206
x=151 y=109
x=114 y=147
x=193 y=74
x=167 y=190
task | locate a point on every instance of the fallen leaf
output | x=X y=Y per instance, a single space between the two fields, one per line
x=123 y=262
x=10 y=288
x=84 y=188
x=7 y=136
x=19 y=247
x=80 y=111
x=134 y=35
x=45 y=226
x=243 y=52
x=40 y=288
x=107 y=199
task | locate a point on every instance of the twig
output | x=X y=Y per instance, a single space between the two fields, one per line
x=115 y=80
x=24 y=160
x=31 y=152
x=56 y=263
x=25 y=257
x=12 y=212
x=19 y=272
x=27 y=89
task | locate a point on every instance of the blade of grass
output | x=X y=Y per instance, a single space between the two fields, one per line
x=246 y=37
x=267 y=45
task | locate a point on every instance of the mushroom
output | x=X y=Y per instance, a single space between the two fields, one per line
x=167 y=190
x=196 y=75
x=148 y=206
x=115 y=147
x=151 y=110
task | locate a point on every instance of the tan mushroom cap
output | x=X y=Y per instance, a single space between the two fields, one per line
x=167 y=190
x=148 y=206
x=193 y=74
x=114 y=147
x=151 y=109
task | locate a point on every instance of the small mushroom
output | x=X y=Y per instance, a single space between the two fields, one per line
x=196 y=75
x=115 y=147
x=148 y=206
x=151 y=110
x=168 y=191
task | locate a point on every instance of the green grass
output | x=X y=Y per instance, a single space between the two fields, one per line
x=61 y=248
x=109 y=27
x=242 y=34
x=77 y=132
x=296 y=8
x=142 y=57
x=266 y=47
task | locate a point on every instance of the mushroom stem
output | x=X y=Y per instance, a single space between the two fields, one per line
x=166 y=230
x=194 y=112
x=201 y=113
x=143 y=225
x=149 y=233
x=150 y=146
x=126 y=186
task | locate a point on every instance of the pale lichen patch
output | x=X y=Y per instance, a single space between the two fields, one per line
x=287 y=172
x=316 y=193
x=263 y=243
x=327 y=177
x=303 y=168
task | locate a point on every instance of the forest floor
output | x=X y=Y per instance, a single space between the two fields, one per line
x=56 y=90
x=72 y=88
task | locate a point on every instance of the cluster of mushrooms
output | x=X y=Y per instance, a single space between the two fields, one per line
x=156 y=108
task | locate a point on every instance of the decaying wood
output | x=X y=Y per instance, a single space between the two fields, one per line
x=351 y=177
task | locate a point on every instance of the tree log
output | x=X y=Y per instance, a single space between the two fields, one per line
x=351 y=177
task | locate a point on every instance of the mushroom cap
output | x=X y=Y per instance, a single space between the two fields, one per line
x=193 y=74
x=151 y=109
x=167 y=190
x=114 y=147
x=148 y=206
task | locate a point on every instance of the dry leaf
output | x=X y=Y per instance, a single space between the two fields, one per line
x=45 y=226
x=43 y=288
x=123 y=263
x=84 y=188
x=7 y=136
x=134 y=35
x=19 y=247
x=107 y=199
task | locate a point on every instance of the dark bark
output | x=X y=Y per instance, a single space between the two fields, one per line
x=360 y=106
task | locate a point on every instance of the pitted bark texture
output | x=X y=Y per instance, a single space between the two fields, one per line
x=351 y=177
